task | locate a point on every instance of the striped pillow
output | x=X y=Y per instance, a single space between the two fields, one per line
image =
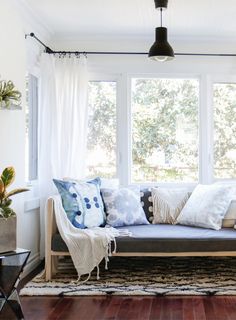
x=168 y=203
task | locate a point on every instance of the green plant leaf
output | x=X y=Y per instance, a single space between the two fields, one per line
x=2 y=188
x=6 y=203
x=8 y=176
x=16 y=191
x=7 y=212
x=9 y=93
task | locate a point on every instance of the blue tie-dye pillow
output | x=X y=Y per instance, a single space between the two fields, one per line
x=82 y=202
x=123 y=207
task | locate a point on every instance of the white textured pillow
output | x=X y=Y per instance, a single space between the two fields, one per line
x=206 y=206
x=230 y=217
x=167 y=204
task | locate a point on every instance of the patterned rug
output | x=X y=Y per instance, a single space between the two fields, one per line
x=144 y=276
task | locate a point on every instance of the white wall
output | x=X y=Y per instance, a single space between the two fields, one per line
x=12 y=124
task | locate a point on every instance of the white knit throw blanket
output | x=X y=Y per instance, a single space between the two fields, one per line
x=87 y=247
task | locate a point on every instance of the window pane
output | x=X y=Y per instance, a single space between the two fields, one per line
x=165 y=130
x=224 y=130
x=101 y=154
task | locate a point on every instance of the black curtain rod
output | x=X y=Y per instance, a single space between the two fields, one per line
x=50 y=51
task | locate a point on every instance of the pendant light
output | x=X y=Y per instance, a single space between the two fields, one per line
x=161 y=49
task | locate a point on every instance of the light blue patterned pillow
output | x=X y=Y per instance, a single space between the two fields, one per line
x=82 y=202
x=123 y=207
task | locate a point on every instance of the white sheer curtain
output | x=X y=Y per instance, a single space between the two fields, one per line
x=62 y=124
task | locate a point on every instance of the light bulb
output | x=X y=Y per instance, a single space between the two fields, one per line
x=161 y=58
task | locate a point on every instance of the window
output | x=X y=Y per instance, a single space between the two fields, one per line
x=31 y=127
x=101 y=143
x=157 y=135
x=224 y=102
x=164 y=129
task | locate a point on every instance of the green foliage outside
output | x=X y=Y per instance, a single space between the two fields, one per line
x=102 y=129
x=164 y=130
x=225 y=130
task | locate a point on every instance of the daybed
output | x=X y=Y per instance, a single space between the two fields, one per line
x=150 y=240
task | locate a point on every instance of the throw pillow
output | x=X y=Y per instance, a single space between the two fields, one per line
x=206 y=206
x=167 y=204
x=230 y=218
x=123 y=207
x=82 y=202
x=147 y=203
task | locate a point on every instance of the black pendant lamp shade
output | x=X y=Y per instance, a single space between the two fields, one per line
x=161 y=49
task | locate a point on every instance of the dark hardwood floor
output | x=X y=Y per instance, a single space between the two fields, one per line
x=125 y=308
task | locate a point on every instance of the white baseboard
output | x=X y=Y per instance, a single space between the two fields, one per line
x=32 y=263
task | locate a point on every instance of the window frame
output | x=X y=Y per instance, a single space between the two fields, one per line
x=218 y=79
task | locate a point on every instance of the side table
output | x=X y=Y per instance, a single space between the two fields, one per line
x=11 y=267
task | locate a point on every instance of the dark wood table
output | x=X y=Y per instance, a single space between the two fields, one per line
x=11 y=267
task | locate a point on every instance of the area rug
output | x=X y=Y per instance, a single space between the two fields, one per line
x=144 y=276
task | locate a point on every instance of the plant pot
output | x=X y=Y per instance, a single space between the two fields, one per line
x=7 y=234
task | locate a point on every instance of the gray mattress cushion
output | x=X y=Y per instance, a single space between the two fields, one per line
x=168 y=238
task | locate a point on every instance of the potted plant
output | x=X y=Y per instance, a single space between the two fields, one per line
x=7 y=214
x=8 y=94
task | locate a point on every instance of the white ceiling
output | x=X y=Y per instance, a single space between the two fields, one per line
x=205 y=19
